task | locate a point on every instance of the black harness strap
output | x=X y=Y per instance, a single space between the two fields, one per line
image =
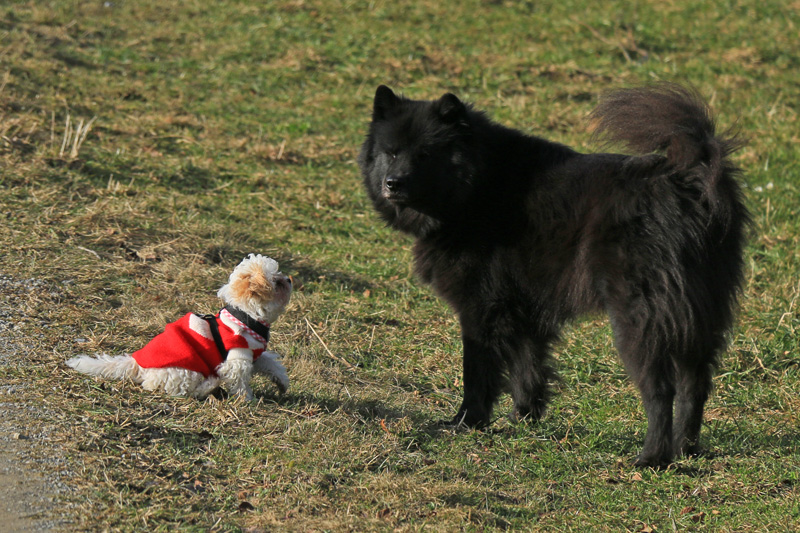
x=249 y=321
x=212 y=323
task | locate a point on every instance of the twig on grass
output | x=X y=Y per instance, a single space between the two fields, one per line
x=90 y=251
x=330 y=353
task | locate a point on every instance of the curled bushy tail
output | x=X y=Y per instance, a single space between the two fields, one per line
x=674 y=120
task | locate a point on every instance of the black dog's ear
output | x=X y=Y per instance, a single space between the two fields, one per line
x=385 y=101
x=450 y=108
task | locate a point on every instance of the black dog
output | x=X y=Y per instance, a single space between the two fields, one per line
x=519 y=234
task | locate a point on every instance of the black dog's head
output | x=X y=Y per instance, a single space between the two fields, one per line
x=416 y=160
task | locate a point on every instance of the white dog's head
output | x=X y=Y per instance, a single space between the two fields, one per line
x=258 y=288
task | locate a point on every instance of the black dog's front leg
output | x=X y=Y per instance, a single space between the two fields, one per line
x=482 y=384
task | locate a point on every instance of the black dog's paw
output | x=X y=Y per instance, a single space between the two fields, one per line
x=526 y=415
x=463 y=421
x=659 y=462
x=451 y=425
x=692 y=451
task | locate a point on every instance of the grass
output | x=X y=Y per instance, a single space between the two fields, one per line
x=226 y=128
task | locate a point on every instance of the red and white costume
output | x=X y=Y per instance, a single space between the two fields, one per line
x=188 y=343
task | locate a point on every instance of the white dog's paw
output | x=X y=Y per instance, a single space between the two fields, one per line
x=245 y=394
x=268 y=364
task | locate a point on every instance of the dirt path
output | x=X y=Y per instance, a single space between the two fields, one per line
x=30 y=471
x=31 y=468
x=28 y=499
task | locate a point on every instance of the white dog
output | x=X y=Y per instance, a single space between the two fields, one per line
x=197 y=354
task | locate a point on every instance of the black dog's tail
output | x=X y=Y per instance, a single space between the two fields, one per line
x=674 y=120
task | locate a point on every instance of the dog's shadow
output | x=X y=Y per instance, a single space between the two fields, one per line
x=719 y=443
x=371 y=409
x=406 y=422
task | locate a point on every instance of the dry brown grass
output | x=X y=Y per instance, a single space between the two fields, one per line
x=227 y=129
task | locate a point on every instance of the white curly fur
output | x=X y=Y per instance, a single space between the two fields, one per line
x=233 y=374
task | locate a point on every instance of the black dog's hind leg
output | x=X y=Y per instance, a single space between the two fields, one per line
x=483 y=383
x=693 y=387
x=529 y=372
x=650 y=366
x=658 y=392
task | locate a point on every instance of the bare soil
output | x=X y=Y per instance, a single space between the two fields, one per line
x=32 y=469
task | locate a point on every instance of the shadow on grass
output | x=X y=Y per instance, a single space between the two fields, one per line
x=734 y=440
x=186 y=178
x=309 y=405
x=135 y=434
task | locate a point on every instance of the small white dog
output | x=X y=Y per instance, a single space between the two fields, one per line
x=196 y=354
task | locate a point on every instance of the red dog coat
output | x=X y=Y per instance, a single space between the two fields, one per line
x=188 y=343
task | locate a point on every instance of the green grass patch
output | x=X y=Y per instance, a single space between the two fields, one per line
x=224 y=128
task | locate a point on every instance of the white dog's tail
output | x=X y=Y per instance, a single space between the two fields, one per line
x=106 y=366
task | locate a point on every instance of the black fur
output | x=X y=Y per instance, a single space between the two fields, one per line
x=519 y=234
